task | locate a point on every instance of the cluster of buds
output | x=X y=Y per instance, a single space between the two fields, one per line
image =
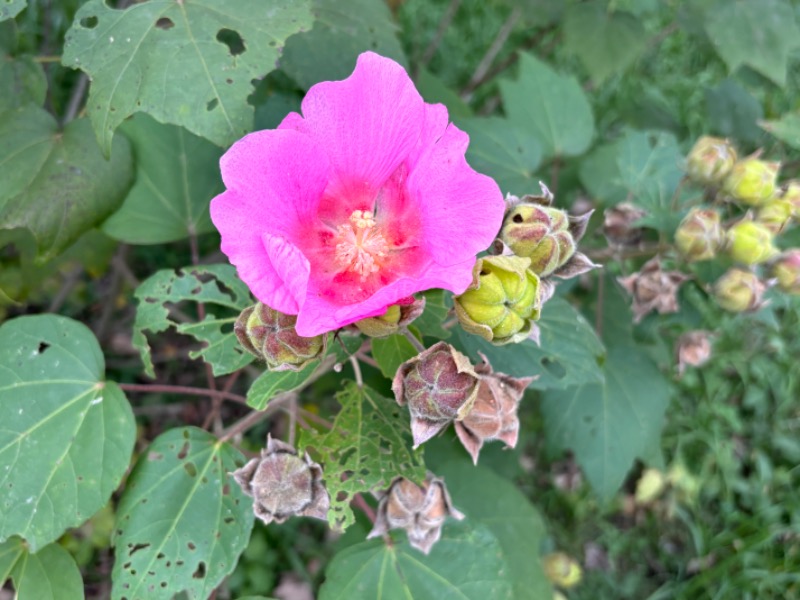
x=700 y=235
x=652 y=288
x=283 y=484
x=271 y=336
x=419 y=509
x=394 y=319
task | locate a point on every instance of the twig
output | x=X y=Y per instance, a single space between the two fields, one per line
x=76 y=98
x=113 y=290
x=359 y=501
x=357 y=371
x=414 y=341
x=160 y=388
x=46 y=59
x=366 y=359
x=292 y=410
x=494 y=49
x=616 y=253
x=70 y=281
x=247 y=422
x=444 y=23
x=598 y=317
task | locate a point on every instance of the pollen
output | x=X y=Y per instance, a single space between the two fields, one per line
x=360 y=246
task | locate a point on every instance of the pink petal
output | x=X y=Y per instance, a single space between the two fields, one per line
x=434 y=126
x=462 y=210
x=291 y=267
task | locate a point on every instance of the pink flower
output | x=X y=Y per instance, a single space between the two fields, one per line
x=360 y=202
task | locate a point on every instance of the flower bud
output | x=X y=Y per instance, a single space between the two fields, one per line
x=396 y=316
x=750 y=243
x=650 y=486
x=493 y=416
x=283 y=485
x=562 y=570
x=541 y=234
x=775 y=215
x=619 y=224
x=787 y=271
x=699 y=235
x=710 y=160
x=693 y=349
x=791 y=194
x=271 y=336
x=752 y=181
x=503 y=300
x=419 y=509
x=738 y=291
x=439 y=385
x=653 y=289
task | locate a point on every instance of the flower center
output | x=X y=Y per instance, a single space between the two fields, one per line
x=359 y=244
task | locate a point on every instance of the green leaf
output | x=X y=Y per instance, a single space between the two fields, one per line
x=11 y=8
x=640 y=167
x=759 y=34
x=569 y=354
x=606 y=41
x=733 y=112
x=551 y=107
x=436 y=311
x=210 y=284
x=22 y=81
x=56 y=183
x=341 y=32
x=367 y=447
x=271 y=383
x=177 y=174
x=466 y=563
x=500 y=149
x=182 y=521
x=490 y=500
x=50 y=574
x=66 y=436
x=609 y=425
x=391 y=352
x=436 y=91
x=189 y=63
x=786 y=129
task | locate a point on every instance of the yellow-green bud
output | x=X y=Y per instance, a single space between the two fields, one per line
x=752 y=181
x=503 y=300
x=396 y=316
x=649 y=486
x=791 y=194
x=700 y=235
x=739 y=291
x=540 y=233
x=710 y=160
x=787 y=271
x=271 y=336
x=750 y=243
x=562 y=570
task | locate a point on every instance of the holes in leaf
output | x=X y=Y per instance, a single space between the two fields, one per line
x=152 y=456
x=190 y=469
x=228 y=520
x=183 y=451
x=342 y=496
x=165 y=23
x=191 y=546
x=212 y=104
x=226 y=490
x=136 y=547
x=232 y=40
x=89 y=22
x=200 y=572
x=42 y=347
x=555 y=368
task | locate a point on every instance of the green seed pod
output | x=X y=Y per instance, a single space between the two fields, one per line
x=271 y=336
x=700 y=235
x=787 y=271
x=710 y=160
x=396 y=316
x=540 y=233
x=503 y=301
x=750 y=243
x=752 y=181
x=739 y=291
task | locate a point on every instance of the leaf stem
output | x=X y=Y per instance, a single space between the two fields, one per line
x=357 y=371
x=359 y=501
x=47 y=59
x=159 y=388
x=413 y=339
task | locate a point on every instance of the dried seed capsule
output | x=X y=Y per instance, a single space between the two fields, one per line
x=750 y=243
x=739 y=291
x=619 y=224
x=700 y=235
x=419 y=509
x=693 y=349
x=653 y=289
x=283 y=484
x=752 y=181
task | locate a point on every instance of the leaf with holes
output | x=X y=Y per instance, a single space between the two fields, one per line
x=367 y=447
x=570 y=352
x=466 y=563
x=761 y=35
x=66 y=436
x=391 y=352
x=189 y=63
x=271 y=383
x=182 y=521
x=606 y=41
x=341 y=32
x=786 y=129
x=56 y=184
x=503 y=151
x=11 y=8
x=22 y=81
x=177 y=174
x=50 y=574
x=211 y=284
x=549 y=106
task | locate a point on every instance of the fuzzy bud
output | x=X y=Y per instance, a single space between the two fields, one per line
x=540 y=233
x=739 y=291
x=752 y=181
x=650 y=485
x=775 y=215
x=619 y=224
x=493 y=416
x=503 y=300
x=700 y=235
x=710 y=160
x=271 y=336
x=562 y=570
x=283 y=484
x=693 y=349
x=787 y=271
x=396 y=316
x=791 y=194
x=653 y=289
x=750 y=243
x=419 y=509
x=439 y=385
